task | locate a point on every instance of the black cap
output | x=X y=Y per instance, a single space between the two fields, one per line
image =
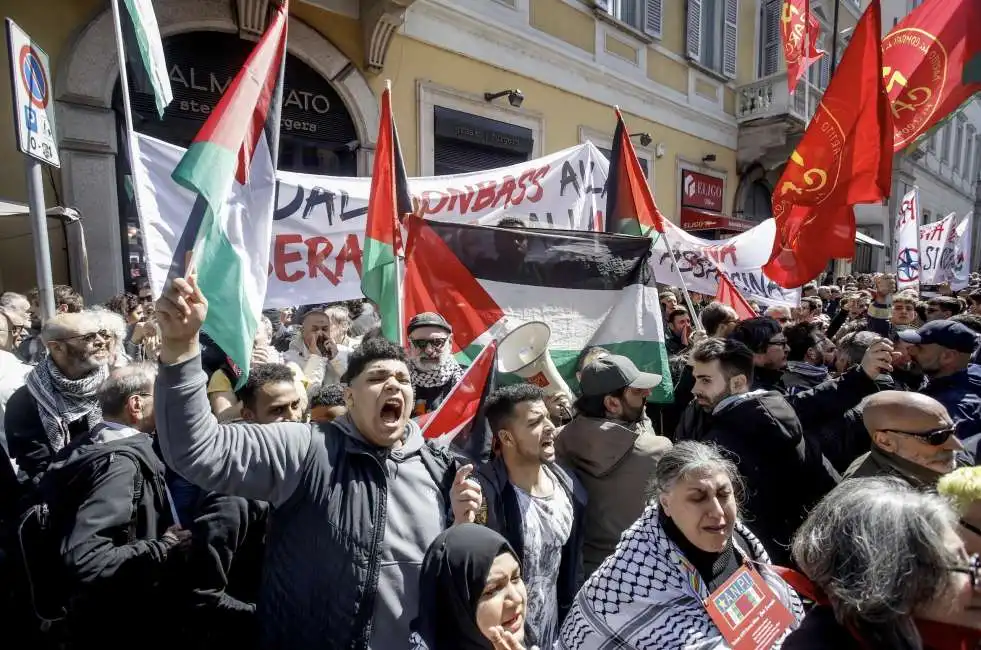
x=613 y=372
x=428 y=319
x=945 y=333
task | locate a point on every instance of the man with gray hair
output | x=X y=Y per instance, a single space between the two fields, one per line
x=13 y=372
x=59 y=401
x=115 y=515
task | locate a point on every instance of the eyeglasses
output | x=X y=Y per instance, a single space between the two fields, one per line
x=422 y=344
x=780 y=342
x=934 y=438
x=973 y=570
x=105 y=335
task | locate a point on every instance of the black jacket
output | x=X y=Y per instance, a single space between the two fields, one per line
x=504 y=516
x=223 y=570
x=26 y=439
x=784 y=475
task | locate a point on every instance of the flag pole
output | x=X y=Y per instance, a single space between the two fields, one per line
x=399 y=259
x=131 y=146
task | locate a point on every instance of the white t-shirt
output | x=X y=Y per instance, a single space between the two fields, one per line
x=546 y=525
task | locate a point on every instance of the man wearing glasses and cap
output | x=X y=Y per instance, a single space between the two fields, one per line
x=434 y=370
x=913 y=438
x=60 y=399
x=942 y=349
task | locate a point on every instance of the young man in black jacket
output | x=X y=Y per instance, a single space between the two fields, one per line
x=538 y=506
x=785 y=476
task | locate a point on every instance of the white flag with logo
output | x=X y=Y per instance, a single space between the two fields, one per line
x=960 y=276
x=907 y=242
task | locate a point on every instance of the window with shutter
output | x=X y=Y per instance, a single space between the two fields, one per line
x=958 y=144
x=945 y=144
x=630 y=12
x=977 y=159
x=693 y=36
x=730 y=35
x=824 y=64
x=968 y=151
x=772 y=48
x=653 y=18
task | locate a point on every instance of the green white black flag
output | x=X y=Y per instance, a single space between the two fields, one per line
x=143 y=45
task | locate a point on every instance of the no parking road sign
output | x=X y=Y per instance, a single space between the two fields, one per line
x=34 y=114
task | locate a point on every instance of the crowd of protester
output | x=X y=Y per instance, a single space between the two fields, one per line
x=151 y=497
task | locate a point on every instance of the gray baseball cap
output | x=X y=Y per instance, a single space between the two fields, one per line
x=614 y=372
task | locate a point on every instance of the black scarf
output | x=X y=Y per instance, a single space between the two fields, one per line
x=454 y=573
x=714 y=568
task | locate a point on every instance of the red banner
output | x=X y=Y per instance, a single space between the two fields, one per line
x=844 y=158
x=799 y=30
x=924 y=62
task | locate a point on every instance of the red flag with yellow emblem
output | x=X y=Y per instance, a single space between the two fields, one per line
x=799 y=30
x=926 y=63
x=844 y=158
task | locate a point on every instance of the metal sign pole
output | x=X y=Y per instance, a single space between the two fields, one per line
x=34 y=121
x=39 y=228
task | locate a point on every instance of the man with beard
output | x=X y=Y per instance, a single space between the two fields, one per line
x=913 y=438
x=613 y=449
x=942 y=349
x=60 y=400
x=784 y=475
x=13 y=372
x=318 y=349
x=535 y=504
x=434 y=371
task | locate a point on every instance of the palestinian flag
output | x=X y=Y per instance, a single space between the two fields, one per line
x=591 y=289
x=459 y=420
x=728 y=294
x=630 y=207
x=231 y=165
x=388 y=201
x=144 y=48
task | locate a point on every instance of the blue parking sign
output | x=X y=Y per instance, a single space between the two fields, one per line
x=30 y=118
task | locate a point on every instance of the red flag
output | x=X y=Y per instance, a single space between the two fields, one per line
x=924 y=62
x=728 y=294
x=436 y=280
x=844 y=158
x=799 y=30
x=630 y=207
x=458 y=418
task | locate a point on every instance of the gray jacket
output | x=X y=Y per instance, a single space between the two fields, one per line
x=350 y=522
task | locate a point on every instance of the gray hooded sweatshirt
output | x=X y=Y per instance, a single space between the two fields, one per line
x=280 y=463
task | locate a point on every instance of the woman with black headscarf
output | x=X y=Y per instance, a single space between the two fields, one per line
x=471 y=593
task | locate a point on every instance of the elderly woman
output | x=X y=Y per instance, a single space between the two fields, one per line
x=963 y=488
x=651 y=592
x=888 y=570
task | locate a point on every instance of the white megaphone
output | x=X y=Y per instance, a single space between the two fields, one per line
x=524 y=352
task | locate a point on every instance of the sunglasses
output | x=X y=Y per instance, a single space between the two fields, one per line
x=933 y=438
x=973 y=570
x=422 y=344
x=105 y=335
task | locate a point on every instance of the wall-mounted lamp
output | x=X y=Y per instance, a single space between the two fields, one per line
x=645 y=138
x=709 y=158
x=515 y=97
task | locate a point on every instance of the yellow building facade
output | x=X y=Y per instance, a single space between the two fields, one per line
x=691 y=74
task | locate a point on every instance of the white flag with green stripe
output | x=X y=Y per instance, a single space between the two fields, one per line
x=144 y=47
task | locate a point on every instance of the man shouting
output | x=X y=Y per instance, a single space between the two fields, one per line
x=355 y=502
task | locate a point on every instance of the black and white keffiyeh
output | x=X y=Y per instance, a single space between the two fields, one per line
x=447 y=372
x=61 y=401
x=647 y=595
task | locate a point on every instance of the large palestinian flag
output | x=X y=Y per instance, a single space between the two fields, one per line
x=231 y=165
x=591 y=289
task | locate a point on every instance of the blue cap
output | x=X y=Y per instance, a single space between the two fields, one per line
x=945 y=333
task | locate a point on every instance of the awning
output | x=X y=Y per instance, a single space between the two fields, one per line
x=694 y=220
x=865 y=239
